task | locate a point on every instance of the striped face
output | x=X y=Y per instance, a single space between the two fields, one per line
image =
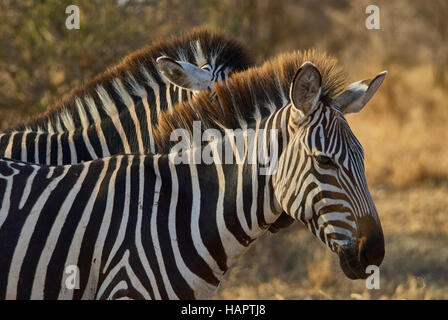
x=324 y=186
x=321 y=182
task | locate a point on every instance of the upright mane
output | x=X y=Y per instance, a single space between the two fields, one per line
x=257 y=91
x=198 y=47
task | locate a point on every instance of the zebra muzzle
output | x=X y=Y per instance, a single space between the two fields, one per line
x=351 y=262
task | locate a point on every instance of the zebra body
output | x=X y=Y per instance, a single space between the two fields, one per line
x=108 y=218
x=147 y=227
x=136 y=226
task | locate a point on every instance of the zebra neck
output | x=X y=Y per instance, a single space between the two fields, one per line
x=225 y=205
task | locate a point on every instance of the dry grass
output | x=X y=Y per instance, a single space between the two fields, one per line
x=404 y=130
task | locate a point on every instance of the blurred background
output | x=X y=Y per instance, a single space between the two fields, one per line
x=404 y=129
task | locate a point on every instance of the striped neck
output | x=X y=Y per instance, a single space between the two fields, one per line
x=236 y=172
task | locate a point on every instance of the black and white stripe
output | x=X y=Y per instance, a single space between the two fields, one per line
x=119 y=114
x=143 y=227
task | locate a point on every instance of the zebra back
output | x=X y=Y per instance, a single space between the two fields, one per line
x=137 y=77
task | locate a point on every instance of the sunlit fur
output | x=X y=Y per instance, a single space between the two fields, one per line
x=258 y=91
x=117 y=111
x=200 y=46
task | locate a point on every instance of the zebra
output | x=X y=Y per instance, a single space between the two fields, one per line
x=146 y=227
x=117 y=111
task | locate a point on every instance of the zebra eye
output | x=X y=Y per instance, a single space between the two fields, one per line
x=325 y=161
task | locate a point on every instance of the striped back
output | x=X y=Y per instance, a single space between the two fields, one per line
x=128 y=98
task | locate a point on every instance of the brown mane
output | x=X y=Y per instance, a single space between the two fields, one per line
x=211 y=41
x=246 y=91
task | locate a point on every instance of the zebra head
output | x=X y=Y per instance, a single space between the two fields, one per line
x=189 y=76
x=320 y=179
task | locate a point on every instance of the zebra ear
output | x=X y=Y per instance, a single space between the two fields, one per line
x=305 y=88
x=184 y=74
x=358 y=94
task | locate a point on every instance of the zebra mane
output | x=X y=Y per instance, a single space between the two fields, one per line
x=199 y=46
x=247 y=95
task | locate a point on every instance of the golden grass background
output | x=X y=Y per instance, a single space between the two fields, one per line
x=404 y=128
